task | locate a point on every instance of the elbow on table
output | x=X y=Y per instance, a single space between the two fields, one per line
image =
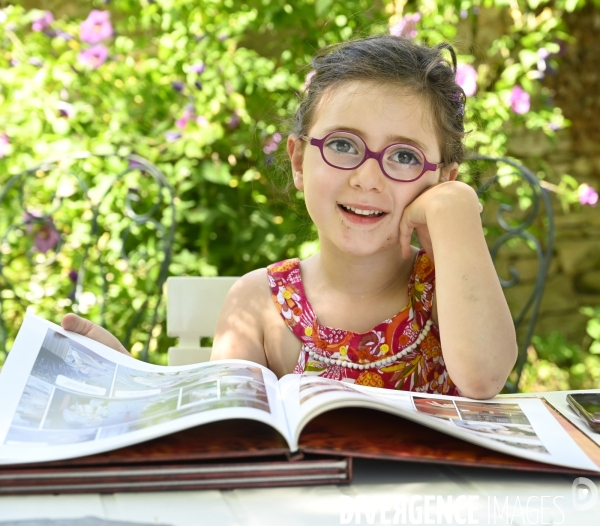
x=484 y=387
x=480 y=391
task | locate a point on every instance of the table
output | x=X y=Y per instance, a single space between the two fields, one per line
x=321 y=505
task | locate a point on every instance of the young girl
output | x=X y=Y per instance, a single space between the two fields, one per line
x=375 y=149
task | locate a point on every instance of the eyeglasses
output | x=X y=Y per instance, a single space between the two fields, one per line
x=345 y=150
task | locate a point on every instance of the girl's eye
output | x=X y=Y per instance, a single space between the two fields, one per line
x=405 y=156
x=339 y=145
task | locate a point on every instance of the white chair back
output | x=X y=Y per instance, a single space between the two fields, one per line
x=193 y=307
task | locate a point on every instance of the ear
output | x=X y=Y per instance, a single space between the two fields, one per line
x=295 y=150
x=449 y=173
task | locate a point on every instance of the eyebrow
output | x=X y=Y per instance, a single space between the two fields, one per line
x=390 y=138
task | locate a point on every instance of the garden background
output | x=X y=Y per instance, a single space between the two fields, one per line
x=204 y=88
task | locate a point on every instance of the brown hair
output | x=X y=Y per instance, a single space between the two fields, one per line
x=398 y=61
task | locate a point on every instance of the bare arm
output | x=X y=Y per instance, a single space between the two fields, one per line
x=476 y=329
x=239 y=332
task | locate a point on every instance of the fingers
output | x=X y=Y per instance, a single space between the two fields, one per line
x=405 y=238
x=74 y=323
x=425 y=240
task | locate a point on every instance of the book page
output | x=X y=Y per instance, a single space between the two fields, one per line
x=65 y=395
x=522 y=427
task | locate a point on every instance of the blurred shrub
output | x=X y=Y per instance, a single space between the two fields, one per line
x=202 y=89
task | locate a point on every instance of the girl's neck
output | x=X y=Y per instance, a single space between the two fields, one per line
x=361 y=276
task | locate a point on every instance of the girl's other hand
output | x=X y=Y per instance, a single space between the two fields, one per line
x=414 y=217
x=74 y=323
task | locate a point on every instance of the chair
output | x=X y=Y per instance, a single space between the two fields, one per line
x=194 y=303
x=193 y=306
x=88 y=233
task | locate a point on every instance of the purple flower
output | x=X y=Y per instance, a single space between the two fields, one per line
x=519 y=100
x=4 y=144
x=234 y=121
x=201 y=120
x=177 y=86
x=46 y=236
x=73 y=275
x=308 y=79
x=407 y=27
x=14 y=62
x=223 y=36
x=65 y=109
x=587 y=195
x=96 y=27
x=34 y=61
x=198 y=68
x=64 y=35
x=466 y=78
x=94 y=56
x=42 y=23
x=172 y=136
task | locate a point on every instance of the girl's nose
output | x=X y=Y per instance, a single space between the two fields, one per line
x=368 y=176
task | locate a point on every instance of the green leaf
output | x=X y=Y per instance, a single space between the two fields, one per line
x=216 y=172
x=322 y=6
x=593 y=328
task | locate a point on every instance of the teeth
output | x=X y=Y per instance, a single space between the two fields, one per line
x=361 y=212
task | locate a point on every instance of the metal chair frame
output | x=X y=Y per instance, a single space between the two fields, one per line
x=135 y=162
x=543 y=250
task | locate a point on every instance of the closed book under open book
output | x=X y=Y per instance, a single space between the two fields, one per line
x=79 y=417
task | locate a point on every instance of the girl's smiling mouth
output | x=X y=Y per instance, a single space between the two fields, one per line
x=361 y=214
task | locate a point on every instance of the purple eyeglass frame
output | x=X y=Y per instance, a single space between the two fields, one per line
x=369 y=154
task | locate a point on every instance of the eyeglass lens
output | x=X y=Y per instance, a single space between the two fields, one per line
x=346 y=150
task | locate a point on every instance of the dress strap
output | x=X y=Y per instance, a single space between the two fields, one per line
x=287 y=292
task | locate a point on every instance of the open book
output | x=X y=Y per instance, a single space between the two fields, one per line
x=65 y=396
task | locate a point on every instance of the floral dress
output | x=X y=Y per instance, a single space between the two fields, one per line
x=402 y=352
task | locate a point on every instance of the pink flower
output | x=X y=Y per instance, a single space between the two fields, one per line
x=46 y=236
x=272 y=143
x=94 y=56
x=96 y=27
x=201 y=120
x=407 y=27
x=4 y=144
x=519 y=100
x=42 y=23
x=181 y=123
x=466 y=78
x=308 y=78
x=587 y=195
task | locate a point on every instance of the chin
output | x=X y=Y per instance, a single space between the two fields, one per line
x=368 y=248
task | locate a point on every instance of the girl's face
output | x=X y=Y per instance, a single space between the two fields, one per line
x=381 y=115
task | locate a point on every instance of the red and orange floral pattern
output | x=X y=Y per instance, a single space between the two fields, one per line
x=422 y=370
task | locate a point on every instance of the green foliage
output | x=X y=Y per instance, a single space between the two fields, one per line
x=556 y=364
x=200 y=88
